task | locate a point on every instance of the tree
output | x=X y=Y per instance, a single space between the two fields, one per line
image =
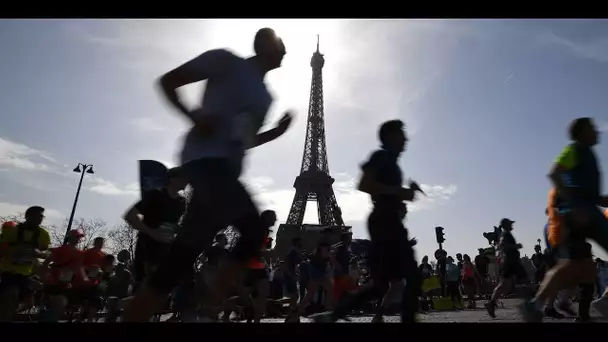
x=92 y=229
x=14 y=217
x=232 y=235
x=19 y=217
x=122 y=237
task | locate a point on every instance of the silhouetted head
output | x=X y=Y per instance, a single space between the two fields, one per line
x=506 y=224
x=34 y=215
x=392 y=135
x=124 y=256
x=74 y=237
x=269 y=218
x=583 y=131
x=98 y=243
x=269 y=48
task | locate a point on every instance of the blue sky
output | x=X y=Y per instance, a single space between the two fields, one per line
x=486 y=102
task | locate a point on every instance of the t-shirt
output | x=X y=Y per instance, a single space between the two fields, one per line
x=383 y=164
x=582 y=173
x=304 y=272
x=553 y=228
x=159 y=208
x=426 y=270
x=343 y=261
x=93 y=261
x=481 y=263
x=237 y=100
x=538 y=260
x=119 y=282
x=292 y=260
x=20 y=258
x=66 y=266
x=511 y=254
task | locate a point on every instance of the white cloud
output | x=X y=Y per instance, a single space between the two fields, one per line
x=16 y=155
x=106 y=187
x=7 y=209
x=355 y=205
x=594 y=49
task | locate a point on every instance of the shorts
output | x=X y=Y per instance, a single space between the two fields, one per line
x=290 y=285
x=253 y=276
x=52 y=290
x=218 y=199
x=148 y=252
x=21 y=282
x=391 y=255
x=575 y=246
x=92 y=294
x=512 y=269
x=469 y=283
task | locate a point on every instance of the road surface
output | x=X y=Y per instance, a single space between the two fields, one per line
x=509 y=314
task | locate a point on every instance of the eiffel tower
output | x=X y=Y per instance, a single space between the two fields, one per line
x=314 y=182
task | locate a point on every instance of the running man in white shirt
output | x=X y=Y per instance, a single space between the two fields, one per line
x=234 y=106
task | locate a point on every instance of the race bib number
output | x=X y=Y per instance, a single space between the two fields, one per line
x=23 y=257
x=66 y=275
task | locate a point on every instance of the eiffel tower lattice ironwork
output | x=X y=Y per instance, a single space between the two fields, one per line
x=314 y=182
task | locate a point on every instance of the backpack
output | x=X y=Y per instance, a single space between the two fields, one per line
x=32 y=243
x=453 y=272
x=23 y=257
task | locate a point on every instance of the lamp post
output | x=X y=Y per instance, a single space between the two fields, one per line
x=82 y=169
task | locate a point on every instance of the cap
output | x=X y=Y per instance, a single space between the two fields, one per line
x=9 y=224
x=506 y=222
x=76 y=233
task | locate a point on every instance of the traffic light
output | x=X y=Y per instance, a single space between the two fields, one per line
x=439 y=234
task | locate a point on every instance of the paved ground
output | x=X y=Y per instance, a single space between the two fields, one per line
x=509 y=314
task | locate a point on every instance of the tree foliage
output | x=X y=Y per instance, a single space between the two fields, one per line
x=122 y=237
x=92 y=228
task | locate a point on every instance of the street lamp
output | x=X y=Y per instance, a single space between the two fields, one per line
x=82 y=169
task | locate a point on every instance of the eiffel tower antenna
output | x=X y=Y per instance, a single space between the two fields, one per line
x=314 y=182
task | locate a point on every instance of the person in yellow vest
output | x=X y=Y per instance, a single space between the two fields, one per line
x=20 y=245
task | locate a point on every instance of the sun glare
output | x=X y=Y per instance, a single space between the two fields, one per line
x=292 y=81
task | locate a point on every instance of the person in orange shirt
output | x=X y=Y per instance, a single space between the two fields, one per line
x=257 y=275
x=343 y=282
x=66 y=265
x=89 y=291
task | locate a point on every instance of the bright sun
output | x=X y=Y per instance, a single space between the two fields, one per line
x=292 y=81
